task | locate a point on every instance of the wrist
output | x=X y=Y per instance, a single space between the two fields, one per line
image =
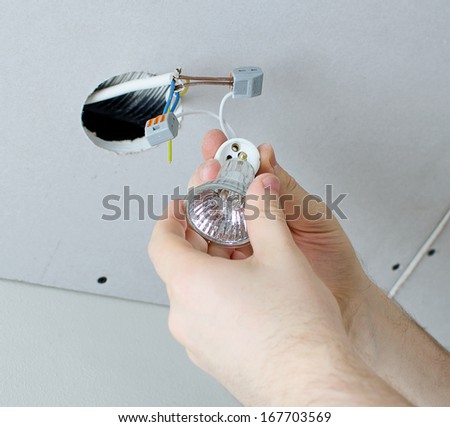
x=366 y=322
x=398 y=350
x=302 y=371
x=328 y=374
x=356 y=304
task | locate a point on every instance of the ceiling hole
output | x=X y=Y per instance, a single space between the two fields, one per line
x=431 y=252
x=395 y=266
x=102 y=280
x=118 y=124
x=229 y=157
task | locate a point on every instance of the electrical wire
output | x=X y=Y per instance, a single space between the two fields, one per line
x=169 y=143
x=169 y=151
x=226 y=79
x=221 y=121
x=209 y=83
x=169 y=99
x=210 y=113
x=175 y=103
x=129 y=86
x=154 y=82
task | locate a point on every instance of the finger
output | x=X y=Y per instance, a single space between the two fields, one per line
x=304 y=212
x=238 y=255
x=230 y=253
x=207 y=171
x=197 y=241
x=242 y=253
x=169 y=250
x=211 y=143
x=269 y=164
x=220 y=251
x=267 y=159
x=269 y=234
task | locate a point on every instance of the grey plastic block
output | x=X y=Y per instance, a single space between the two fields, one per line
x=247 y=82
x=161 y=129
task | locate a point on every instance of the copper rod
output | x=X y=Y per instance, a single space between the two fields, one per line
x=228 y=79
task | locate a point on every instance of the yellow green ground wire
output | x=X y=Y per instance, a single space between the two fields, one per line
x=169 y=144
x=169 y=147
x=169 y=151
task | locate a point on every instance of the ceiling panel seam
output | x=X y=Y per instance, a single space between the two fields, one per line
x=415 y=261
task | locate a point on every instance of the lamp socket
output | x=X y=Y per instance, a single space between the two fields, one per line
x=238 y=148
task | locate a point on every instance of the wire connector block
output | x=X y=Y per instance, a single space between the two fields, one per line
x=247 y=82
x=161 y=129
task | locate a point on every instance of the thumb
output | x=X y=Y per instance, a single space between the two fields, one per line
x=266 y=223
x=305 y=213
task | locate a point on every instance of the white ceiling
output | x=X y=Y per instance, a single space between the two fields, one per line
x=426 y=294
x=356 y=94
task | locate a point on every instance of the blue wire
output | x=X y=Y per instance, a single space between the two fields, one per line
x=175 y=104
x=169 y=99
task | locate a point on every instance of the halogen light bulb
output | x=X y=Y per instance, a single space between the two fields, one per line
x=215 y=209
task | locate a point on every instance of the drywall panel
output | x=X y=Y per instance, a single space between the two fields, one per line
x=426 y=294
x=355 y=95
x=72 y=349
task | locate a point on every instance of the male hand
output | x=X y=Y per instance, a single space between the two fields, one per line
x=261 y=320
x=321 y=239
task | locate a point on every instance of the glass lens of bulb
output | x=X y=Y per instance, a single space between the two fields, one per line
x=218 y=215
x=215 y=210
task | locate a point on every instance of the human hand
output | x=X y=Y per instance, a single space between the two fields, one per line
x=322 y=239
x=262 y=322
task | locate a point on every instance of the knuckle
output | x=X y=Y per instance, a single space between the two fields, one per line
x=317 y=210
x=182 y=283
x=290 y=185
x=272 y=210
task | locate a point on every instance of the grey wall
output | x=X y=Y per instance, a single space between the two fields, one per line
x=62 y=348
x=356 y=94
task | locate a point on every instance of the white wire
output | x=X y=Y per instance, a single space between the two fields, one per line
x=130 y=86
x=221 y=120
x=420 y=254
x=210 y=113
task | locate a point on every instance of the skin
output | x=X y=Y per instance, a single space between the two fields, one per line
x=291 y=320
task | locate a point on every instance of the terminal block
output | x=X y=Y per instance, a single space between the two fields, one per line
x=247 y=82
x=161 y=129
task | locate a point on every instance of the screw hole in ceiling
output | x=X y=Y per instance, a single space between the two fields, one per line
x=102 y=280
x=118 y=124
x=431 y=252
x=395 y=266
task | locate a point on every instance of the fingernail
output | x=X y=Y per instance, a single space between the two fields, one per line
x=272 y=183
